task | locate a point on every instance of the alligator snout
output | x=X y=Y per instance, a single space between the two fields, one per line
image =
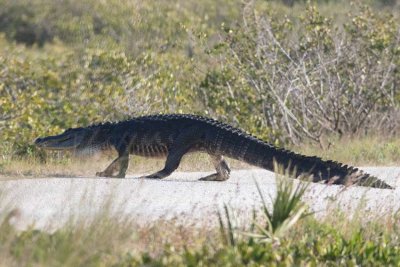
x=38 y=141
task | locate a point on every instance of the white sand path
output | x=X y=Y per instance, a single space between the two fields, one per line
x=50 y=202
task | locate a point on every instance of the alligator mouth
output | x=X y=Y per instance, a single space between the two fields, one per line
x=59 y=142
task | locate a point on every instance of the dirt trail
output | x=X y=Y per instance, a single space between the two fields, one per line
x=50 y=202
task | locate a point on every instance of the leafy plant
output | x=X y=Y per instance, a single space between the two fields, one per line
x=287 y=210
x=286 y=77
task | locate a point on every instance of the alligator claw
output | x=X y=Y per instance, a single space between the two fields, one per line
x=150 y=177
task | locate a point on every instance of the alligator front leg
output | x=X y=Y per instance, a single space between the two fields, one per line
x=117 y=169
x=222 y=167
x=172 y=163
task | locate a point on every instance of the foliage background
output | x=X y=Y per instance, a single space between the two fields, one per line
x=289 y=73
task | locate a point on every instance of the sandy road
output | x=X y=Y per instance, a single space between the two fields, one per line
x=50 y=202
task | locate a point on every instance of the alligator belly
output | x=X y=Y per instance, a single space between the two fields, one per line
x=155 y=151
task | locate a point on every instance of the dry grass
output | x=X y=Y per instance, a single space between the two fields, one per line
x=358 y=151
x=101 y=239
x=67 y=166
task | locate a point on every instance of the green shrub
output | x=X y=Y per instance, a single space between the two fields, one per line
x=283 y=78
x=53 y=92
x=309 y=78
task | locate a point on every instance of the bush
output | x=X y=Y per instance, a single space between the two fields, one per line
x=54 y=92
x=285 y=79
x=311 y=78
x=17 y=21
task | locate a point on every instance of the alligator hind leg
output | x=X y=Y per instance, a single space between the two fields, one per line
x=117 y=168
x=222 y=168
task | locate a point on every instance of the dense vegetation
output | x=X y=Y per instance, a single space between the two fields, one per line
x=285 y=74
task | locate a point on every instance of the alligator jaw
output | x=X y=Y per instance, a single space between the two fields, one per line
x=64 y=141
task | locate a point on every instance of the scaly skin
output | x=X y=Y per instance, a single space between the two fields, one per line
x=172 y=136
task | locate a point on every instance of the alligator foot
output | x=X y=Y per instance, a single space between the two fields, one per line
x=158 y=175
x=222 y=167
x=215 y=177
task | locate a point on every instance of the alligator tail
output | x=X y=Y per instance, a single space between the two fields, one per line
x=256 y=152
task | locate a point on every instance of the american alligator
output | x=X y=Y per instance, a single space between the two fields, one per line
x=174 y=135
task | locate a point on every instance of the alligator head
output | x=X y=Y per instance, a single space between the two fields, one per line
x=71 y=139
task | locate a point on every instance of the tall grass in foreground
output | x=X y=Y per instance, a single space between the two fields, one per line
x=282 y=236
x=287 y=210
